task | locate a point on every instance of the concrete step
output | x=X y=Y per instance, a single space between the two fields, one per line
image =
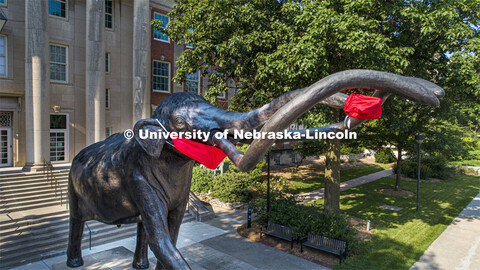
x=47 y=249
x=27 y=189
x=5 y=209
x=59 y=247
x=51 y=234
x=35 y=216
x=24 y=224
x=26 y=193
x=6 y=188
x=21 y=176
x=6 y=183
x=26 y=198
x=12 y=204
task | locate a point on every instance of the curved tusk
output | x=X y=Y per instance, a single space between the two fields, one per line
x=391 y=83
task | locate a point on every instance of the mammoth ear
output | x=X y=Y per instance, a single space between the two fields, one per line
x=147 y=135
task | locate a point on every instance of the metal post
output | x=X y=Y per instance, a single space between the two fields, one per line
x=268 y=184
x=249 y=218
x=418 y=180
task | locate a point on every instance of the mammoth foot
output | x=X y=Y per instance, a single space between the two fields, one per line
x=75 y=262
x=141 y=264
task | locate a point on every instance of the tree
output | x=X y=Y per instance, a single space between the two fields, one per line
x=268 y=47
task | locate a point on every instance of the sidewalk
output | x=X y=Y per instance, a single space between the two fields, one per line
x=214 y=244
x=458 y=247
x=319 y=193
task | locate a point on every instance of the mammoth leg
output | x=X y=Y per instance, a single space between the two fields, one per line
x=140 y=259
x=175 y=218
x=154 y=215
x=74 y=251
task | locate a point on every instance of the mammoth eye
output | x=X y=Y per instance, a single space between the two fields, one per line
x=179 y=122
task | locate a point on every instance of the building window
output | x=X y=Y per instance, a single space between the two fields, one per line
x=221 y=95
x=58 y=63
x=3 y=56
x=188 y=45
x=108 y=132
x=109 y=14
x=57 y=8
x=161 y=77
x=157 y=34
x=192 y=83
x=107 y=98
x=107 y=62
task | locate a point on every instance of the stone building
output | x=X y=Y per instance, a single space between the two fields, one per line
x=75 y=71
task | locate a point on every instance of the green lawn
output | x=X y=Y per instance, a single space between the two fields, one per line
x=318 y=182
x=400 y=238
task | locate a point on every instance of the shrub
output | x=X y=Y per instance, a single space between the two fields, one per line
x=202 y=180
x=285 y=210
x=384 y=155
x=430 y=167
x=232 y=187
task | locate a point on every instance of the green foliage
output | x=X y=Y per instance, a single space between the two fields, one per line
x=430 y=167
x=384 y=155
x=285 y=210
x=350 y=148
x=473 y=159
x=232 y=187
x=202 y=180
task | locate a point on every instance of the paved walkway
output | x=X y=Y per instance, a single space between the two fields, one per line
x=213 y=244
x=319 y=193
x=458 y=247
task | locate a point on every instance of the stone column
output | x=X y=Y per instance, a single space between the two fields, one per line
x=95 y=72
x=141 y=60
x=37 y=96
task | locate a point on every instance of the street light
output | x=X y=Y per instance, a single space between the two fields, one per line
x=419 y=139
x=3 y=19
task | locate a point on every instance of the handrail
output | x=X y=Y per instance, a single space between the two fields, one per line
x=48 y=170
x=196 y=207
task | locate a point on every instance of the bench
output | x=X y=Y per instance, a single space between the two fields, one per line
x=279 y=231
x=326 y=244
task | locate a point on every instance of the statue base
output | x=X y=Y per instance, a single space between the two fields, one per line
x=118 y=258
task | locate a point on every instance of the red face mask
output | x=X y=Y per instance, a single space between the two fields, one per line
x=210 y=156
x=363 y=107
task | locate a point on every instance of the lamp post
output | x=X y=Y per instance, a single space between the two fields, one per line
x=419 y=139
x=268 y=184
x=3 y=19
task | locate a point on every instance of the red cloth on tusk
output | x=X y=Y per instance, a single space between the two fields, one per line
x=208 y=155
x=363 y=107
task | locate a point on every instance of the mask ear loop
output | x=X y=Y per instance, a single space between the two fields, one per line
x=346 y=122
x=168 y=140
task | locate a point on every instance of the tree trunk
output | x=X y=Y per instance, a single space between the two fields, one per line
x=399 y=169
x=332 y=175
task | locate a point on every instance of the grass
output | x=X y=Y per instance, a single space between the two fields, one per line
x=318 y=182
x=400 y=238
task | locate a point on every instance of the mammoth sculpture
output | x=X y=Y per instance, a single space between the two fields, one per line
x=147 y=181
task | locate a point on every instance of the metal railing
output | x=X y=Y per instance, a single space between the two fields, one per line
x=54 y=184
x=197 y=209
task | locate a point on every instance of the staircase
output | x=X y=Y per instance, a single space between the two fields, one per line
x=21 y=191
x=33 y=225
